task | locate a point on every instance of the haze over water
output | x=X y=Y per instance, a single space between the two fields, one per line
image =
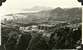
x=14 y=12
x=14 y=6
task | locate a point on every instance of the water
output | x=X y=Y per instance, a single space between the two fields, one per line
x=14 y=12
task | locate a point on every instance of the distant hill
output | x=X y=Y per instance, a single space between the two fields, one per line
x=72 y=14
x=38 y=8
x=58 y=14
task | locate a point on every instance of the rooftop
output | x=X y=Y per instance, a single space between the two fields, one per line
x=46 y=25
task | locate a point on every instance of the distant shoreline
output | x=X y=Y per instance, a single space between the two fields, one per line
x=16 y=12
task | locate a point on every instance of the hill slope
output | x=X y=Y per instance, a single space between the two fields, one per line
x=57 y=14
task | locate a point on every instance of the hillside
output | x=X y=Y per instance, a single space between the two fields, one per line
x=66 y=15
x=68 y=37
x=57 y=14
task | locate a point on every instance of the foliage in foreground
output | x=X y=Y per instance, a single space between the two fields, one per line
x=61 y=38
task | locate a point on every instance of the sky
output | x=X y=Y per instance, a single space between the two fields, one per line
x=12 y=6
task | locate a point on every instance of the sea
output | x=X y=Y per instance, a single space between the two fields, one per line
x=14 y=12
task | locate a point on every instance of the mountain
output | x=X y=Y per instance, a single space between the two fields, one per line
x=38 y=8
x=59 y=14
x=57 y=10
x=73 y=15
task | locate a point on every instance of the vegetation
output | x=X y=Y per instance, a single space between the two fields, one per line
x=60 y=38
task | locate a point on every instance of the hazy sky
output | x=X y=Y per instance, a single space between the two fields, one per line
x=14 y=5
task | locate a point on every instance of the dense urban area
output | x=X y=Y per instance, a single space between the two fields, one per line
x=59 y=28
